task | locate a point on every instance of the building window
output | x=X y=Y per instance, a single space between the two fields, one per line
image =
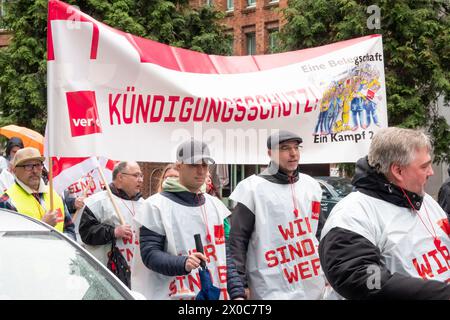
x=230 y=45
x=251 y=3
x=209 y=2
x=273 y=42
x=230 y=5
x=251 y=43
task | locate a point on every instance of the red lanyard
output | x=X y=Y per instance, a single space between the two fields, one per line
x=204 y=218
x=437 y=241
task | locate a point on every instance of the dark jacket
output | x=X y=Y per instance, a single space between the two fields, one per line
x=346 y=256
x=92 y=231
x=243 y=221
x=70 y=202
x=157 y=259
x=444 y=195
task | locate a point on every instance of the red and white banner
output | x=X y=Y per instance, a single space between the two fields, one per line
x=123 y=97
x=80 y=175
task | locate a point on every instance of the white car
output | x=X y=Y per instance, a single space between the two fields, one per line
x=39 y=263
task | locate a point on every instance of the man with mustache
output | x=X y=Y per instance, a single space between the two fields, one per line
x=30 y=196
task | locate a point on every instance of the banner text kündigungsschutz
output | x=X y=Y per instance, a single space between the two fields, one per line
x=133 y=108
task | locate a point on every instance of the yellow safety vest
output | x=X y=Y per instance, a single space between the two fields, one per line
x=27 y=204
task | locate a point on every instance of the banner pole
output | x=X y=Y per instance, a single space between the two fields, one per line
x=116 y=208
x=50 y=182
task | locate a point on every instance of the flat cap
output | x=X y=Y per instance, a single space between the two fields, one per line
x=282 y=136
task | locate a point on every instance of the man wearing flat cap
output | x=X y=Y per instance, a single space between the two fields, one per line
x=30 y=196
x=169 y=220
x=274 y=224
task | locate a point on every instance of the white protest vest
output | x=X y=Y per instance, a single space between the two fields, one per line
x=179 y=224
x=282 y=257
x=101 y=206
x=404 y=242
x=6 y=180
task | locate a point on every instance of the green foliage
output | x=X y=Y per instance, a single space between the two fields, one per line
x=416 y=41
x=23 y=62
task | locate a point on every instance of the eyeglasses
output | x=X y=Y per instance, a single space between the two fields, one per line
x=31 y=166
x=136 y=175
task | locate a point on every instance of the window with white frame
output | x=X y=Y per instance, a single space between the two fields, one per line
x=251 y=3
x=251 y=43
x=230 y=5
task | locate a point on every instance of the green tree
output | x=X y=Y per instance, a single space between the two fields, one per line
x=23 y=62
x=416 y=41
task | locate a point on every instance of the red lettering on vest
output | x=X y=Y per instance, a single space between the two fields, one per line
x=423 y=270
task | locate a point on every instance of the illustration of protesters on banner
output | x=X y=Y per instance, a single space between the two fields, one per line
x=322 y=124
x=347 y=95
x=354 y=93
x=357 y=107
x=370 y=106
x=336 y=108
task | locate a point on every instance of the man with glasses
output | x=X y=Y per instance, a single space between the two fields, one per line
x=30 y=196
x=274 y=224
x=100 y=224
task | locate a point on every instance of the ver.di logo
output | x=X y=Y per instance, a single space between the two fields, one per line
x=83 y=113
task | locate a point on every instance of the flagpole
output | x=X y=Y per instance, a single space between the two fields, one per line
x=49 y=119
x=50 y=182
x=116 y=208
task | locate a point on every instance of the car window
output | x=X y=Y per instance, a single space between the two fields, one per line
x=325 y=193
x=41 y=265
x=342 y=186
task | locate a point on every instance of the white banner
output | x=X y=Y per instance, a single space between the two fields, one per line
x=116 y=95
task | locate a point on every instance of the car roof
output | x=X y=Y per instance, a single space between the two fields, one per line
x=13 y=221
x=331 y=178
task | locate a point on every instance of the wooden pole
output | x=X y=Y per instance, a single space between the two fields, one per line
x=116 y=208
x=50 y=181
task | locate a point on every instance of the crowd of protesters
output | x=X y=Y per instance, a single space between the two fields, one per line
x=388 y=239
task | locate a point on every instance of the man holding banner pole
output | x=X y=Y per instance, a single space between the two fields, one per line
x=30 y=196
x=108 y=215
x=274 y=224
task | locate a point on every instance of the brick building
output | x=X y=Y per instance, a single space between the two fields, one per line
x=5 y=37
x=253 y=23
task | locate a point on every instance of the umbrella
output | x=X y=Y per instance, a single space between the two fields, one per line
x=208 y=291
x=30 y=138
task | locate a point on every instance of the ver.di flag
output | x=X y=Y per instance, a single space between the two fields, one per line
x=116 y=95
